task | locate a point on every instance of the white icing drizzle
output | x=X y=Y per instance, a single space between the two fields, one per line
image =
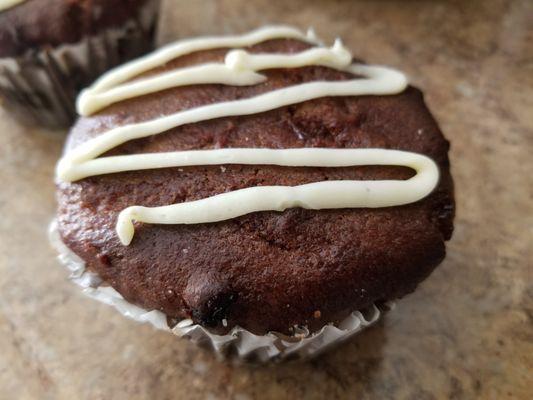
x=5 y=4
x=241 y=68
x=105 y=91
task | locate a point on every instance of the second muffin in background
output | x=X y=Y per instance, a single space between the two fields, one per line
x=51 y=49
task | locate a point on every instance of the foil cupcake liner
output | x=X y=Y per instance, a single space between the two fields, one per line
x=41 y=86
x=239 y=345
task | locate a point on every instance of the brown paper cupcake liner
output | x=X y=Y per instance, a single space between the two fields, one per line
x=239 y=345
x=40 y=87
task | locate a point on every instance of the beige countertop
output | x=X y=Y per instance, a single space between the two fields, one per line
x=466 y=333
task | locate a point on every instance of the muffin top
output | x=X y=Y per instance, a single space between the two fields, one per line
x=30 y=24
x=261 y=180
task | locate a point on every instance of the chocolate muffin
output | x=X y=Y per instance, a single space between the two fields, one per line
x=51 y=49
x=273 y=252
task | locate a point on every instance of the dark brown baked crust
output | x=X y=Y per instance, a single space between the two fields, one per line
x=37 y=23
x=268 y=270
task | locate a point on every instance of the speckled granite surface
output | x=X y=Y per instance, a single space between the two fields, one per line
x=466 y=333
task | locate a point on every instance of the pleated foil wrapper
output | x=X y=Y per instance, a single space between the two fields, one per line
x=239 y=345
x=41 y=86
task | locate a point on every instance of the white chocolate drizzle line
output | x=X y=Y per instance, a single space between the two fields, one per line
x=240 y=68
x=105 y=91
x=380 y=80
x=6 y=4
x=315 y=196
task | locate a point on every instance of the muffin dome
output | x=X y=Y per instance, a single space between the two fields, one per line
x=268 y=270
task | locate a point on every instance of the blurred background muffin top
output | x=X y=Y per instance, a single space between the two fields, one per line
x=28 y=24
